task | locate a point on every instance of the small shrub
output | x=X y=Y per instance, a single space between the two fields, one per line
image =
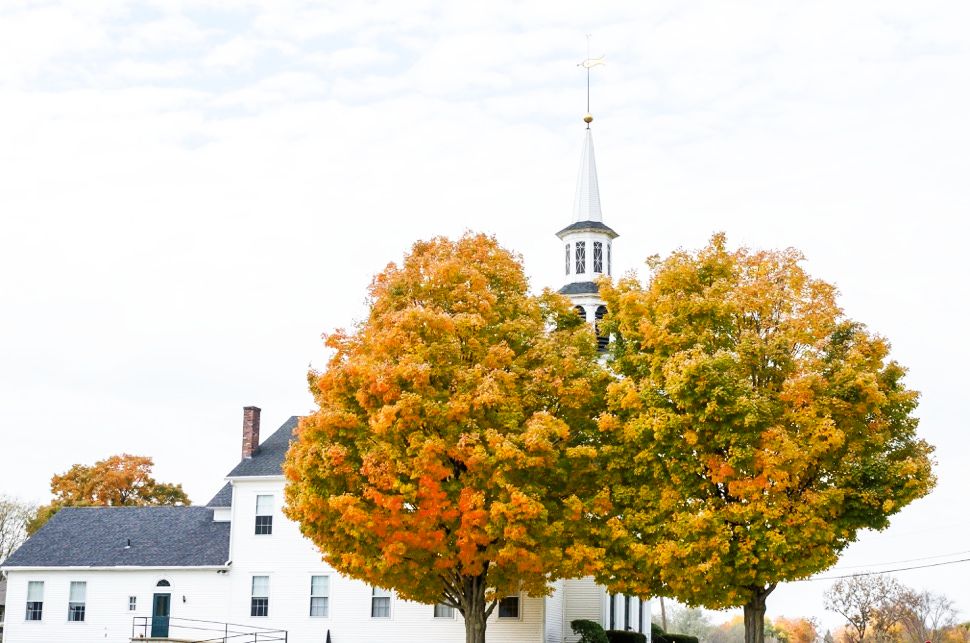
x=657 y=634
x=624 y=636
x=589 y=631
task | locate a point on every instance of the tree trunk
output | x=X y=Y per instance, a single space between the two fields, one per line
x=475 y=625
x=754 y=614
x=474 y=608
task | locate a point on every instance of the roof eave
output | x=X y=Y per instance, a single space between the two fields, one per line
x=587 y=226
x=54 y=568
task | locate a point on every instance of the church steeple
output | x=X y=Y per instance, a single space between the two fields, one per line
x=587 y=241
x=586 y=206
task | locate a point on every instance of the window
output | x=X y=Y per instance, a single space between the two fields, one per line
x=444 y=611
x=568 y=257
x=319 y=596
x=602 y=340
x=132 y=603
x=597 y=256
x=75 y=601
x=380 y=603
x=626 y=613
x=508 y=607
x=35 y=600
x=609 y=258
x=580 y=257
x=264 y=515
x=612 y=611
x=260 y=600
x=163 y=583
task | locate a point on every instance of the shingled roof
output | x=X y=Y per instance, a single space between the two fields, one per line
x=580 y=288
x=268 y=460
x=223 y=497
x=127 y=536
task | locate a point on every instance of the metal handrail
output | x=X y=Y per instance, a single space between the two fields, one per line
x=229 y=632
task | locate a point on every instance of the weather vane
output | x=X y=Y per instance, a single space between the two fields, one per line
x=589 y=63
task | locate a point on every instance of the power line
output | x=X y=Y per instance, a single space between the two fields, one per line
x=898 y=562
x=885 y=571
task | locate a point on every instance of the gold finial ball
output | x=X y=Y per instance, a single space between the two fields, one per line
x=588 y=118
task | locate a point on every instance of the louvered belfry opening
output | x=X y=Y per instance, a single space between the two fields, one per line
x=602 y=340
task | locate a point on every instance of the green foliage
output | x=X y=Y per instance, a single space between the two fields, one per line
x=623 y=636
x=753 y=431
x=589 y=631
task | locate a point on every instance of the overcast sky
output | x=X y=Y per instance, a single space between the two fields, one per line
x=192 y=192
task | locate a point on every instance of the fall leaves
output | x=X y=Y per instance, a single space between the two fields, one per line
x=453 y=433
x=740 y=434
x=767 y=428
x=118 y=480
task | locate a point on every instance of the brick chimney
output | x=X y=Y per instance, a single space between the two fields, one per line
x=250 y=442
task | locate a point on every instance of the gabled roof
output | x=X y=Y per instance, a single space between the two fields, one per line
x=223 y=497
x=268 y=459
x=127 y=536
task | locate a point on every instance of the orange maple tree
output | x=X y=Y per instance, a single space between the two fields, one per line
x=454 y=450
x=756 y=428
x=119 y=480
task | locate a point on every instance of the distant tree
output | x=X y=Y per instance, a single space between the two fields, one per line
x=927 y=616
x=730 y=631
x=453 y=454
x=691 y=621
x=759 y=430
x=14 y=517
x=796 y=630
x=119 y=480
x=959 y=633
x=865 y=602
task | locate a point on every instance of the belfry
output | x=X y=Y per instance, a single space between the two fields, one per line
x=587 y=241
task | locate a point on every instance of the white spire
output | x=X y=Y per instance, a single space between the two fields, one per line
x=586 y=207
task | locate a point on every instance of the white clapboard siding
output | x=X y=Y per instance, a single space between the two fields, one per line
x=107 y=618
x=555 y=613
x=584 y=599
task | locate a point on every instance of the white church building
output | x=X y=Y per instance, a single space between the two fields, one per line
x=237 y=570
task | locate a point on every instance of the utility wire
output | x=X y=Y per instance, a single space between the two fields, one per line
x=885 y=571
x=899 y=562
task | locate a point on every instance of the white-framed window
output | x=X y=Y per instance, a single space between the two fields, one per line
x=35 y=600
x=597 y=256
x=320 y=596
x=569 y=259
x=580 y=257
x=609 y=258
x=508 y=607
x=264 y=515
x=132 y=603
x=380 y=603
x=444 y=611
x=76 y=601
x=259 y=603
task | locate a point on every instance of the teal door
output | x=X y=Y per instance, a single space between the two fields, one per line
x=161 y=611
